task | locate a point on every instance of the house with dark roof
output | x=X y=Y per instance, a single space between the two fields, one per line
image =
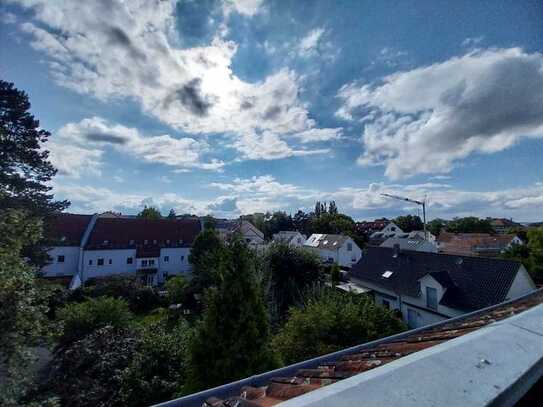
x=249 y=232
x=430 y=287
x=406 y=242
x=476 y=244
x=94 y=246
x=504 y=225
x=489 y=357
x=340 y=249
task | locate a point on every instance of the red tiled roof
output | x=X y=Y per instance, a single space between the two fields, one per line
x=67 y=229
x=279 y=389
x=472 y=243
x=119 y=232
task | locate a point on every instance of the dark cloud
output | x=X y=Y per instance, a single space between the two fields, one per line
x=117 y=36
x=271 y=113
x=190 y=96
x=247 y=104
x=105 y=138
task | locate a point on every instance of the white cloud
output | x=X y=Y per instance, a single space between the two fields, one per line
x=77 y=148
x=309 y=43
x=246 y=7
x=426 y=119
x=316 y=135
x=131 y=50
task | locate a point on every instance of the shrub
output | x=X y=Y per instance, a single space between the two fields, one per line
x=79 y=320
x=335 y=274
x=140 y=298
x=331 y=321
x=89 y=372
x=176 y=288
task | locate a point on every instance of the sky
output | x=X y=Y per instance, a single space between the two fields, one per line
x=239 y=106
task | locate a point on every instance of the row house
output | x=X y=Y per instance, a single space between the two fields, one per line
x=92 y=246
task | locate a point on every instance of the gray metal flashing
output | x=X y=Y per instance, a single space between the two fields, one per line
x=232 y=389
x=493 y=366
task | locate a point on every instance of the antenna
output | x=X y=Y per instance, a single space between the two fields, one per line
x=421 y=203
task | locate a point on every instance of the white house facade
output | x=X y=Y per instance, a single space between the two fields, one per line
x=292 y=238
x=430 y=287
x=338 y=249
x=249 y=232
x=151 y=249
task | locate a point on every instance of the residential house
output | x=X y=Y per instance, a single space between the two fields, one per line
x=338 y=249
x=476 y=244
x=422 y=234
x=504 y=225
x=490 y=357
x=405 y=242
x=431 y=287
x=249 y=232
x=379 y=235
x=366 y=228
x=150 y=248
x=292 y=238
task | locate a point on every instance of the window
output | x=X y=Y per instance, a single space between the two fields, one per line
x=166 y=259
x=182 y=258
x=129 y=260
x=431 y=298
x=60 y=259
x=151 y=262
x=386 y=304
x=90 y=262
x=100 y=262
x=393 y=228
x=145 y=241
x=110 y=261
x=412 y=318
x=349 y=247
x=144 y=263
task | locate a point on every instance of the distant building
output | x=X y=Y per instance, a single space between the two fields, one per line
x=338 y=249
x=92 y=246
x=292 y=238
x=476 y=244
x=405 y=242
x=389 y=230
x=430 y=287
x=503 y=225
x=249 y=232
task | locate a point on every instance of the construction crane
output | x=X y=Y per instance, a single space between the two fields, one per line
x=421 y=203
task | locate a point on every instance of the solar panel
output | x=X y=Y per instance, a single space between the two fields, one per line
x=387 y=274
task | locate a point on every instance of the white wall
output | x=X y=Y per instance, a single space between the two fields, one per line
x=118 y=262
x=68 y=267
x=178 y=261
x=522 y=284
x=348 y=258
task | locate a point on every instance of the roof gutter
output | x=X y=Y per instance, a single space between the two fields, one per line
x=233 y=389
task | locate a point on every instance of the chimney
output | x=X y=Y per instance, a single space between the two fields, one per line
x=396 y=250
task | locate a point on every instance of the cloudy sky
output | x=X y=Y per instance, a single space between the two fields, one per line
x=241 y=106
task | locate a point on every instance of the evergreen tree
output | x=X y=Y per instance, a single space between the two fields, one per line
x=233 y=339
x=24 y=165
x=205 y=256
x=150 y=212
x=318 y=208
x=172 y=215
x=332 y=208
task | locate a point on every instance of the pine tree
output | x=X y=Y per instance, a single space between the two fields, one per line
x=332 y=208
x=233 y=339
x=172 y=215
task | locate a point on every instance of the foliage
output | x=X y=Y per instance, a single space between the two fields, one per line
x=172 y=215
x=24 y=166
x=81 y=319
x=233 y=339
x=470 y=224
x=436 y=225
x=157 y=371
x=89 y=372
x=289 y=272
x=176 y=288
x=535 y=246
x=409 y=223
x=140 y=297
x=149 y=212
x=22 y=305
x=335 y=274
x=207 y=251
x=331 y=321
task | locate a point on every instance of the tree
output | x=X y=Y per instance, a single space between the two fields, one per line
x=335 y=274
x=470 y=224
x=205 y=256
x=332 y=208
x=435 y=226
x=300 y=222
x=333 y=224
x=150 y=213
x=24 y=166
x=22 y=305
x=176 y=288
x=289 y=272
x=172 y=215
x=331 y=321
x=409 y=223
x=80 y=320
x=535 y=246
x=232 y=340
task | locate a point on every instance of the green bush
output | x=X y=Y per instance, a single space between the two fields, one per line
x=335 y=274
x=79 y=320
x=332 y=321
x=176 y=288
x=141 y=298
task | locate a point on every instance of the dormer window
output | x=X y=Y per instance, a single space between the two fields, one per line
x=349 y=247
x=106 y=242
x=145 y=241
x=154 y=242
x=131 y=242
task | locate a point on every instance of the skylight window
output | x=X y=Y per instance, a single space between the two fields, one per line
x=387 y=274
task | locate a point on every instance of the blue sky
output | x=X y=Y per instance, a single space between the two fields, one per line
x=230 y=107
